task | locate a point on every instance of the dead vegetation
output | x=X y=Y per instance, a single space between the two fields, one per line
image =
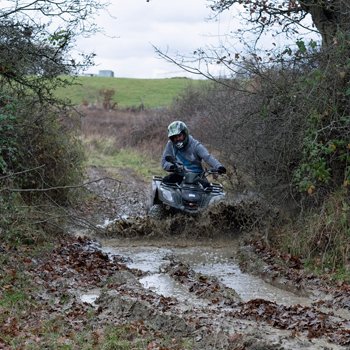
x=144 y=130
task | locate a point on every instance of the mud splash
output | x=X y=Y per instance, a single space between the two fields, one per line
x=220 y=220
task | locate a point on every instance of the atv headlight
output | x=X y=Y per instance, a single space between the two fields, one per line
x=167 y=195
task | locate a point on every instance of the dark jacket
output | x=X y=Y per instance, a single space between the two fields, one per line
x=191 y=156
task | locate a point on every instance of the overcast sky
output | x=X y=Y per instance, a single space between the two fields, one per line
x=135 y=25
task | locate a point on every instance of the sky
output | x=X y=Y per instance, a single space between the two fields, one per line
x=132 y=27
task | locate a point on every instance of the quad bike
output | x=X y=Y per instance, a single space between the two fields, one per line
x=191 y=196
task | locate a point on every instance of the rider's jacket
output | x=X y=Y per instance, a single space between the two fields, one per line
x=191 y=156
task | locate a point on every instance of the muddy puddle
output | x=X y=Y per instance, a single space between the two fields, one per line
x=184 y=298
x=213 y=261
x=195 y=290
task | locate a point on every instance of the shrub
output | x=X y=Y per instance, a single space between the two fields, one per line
x=325 y=161
x=40 y=160
x=252 y=132
x=321 y=236
x=285 y=126
x=41 y=148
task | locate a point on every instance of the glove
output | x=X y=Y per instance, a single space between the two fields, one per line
x=221 y=170
x=171 y=168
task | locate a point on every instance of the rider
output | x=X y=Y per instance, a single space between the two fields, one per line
x=185 y=149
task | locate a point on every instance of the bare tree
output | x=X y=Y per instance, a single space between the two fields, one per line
x=329 y=17
x=36 y=38
x=77 y=14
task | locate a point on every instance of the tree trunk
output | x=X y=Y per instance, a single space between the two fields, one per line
x=329 y=17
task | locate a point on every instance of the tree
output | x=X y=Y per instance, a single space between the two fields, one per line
x=35 y=42
x=329 y=17
x=36 y=38
x=77 y=14
x=294 y=99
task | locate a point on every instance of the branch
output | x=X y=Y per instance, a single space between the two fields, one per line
x=198 y=71
x=21 y=172
x=55 y=8
x=77 y=220
x=55 y=188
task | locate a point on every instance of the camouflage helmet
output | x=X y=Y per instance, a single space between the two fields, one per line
x=175 y=128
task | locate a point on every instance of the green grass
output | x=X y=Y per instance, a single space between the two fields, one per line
x=128 y=92
x=102 y=153
x=12 y=298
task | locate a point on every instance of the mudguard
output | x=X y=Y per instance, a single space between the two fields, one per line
x=156 y=181
x=190 y=196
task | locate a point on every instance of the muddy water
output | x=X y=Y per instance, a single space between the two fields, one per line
x=212 y=260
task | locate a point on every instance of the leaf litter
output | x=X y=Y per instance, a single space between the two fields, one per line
x=56 y=280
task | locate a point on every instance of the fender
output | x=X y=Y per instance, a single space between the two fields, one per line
x=156 y=181
x=190 y=196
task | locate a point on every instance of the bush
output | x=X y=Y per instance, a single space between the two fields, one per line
x=252 y=133
x=325 y=160
x=321 y=236
x=285 y=126
x=40 y=160
x=38 y=151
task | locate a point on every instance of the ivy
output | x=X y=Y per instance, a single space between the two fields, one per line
x=8 y=141
x=321 y=153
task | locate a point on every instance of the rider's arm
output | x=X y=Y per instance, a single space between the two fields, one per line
x=204 y=154
x=168 y=151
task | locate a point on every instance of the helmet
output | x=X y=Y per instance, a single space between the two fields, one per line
x=177 y=128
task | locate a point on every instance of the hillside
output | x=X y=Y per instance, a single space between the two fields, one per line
x=128 y=92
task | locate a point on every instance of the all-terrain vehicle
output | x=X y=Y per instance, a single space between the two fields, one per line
x=191 y=196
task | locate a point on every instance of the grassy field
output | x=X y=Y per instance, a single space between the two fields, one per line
x=129 y=92
x=103 y=153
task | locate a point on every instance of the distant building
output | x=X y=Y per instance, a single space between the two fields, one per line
x=106 y=73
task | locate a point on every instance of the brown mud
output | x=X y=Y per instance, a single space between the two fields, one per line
x=178 y=283
x=162 y=285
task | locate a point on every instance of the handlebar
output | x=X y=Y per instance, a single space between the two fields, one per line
x=179 y=167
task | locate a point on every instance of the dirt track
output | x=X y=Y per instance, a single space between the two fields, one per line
x=121 y=280
x=207 y=313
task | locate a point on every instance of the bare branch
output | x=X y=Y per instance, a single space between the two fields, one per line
x=188 y=67
x=21 y=172
x=54 y=188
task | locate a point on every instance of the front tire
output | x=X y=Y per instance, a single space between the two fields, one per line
x=157 y=212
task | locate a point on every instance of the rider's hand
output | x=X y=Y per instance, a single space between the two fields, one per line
x=180 y=168
x=171 y=168
x=221 y=170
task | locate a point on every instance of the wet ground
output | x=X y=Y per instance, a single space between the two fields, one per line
x=199 y=284
x=217 y=262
